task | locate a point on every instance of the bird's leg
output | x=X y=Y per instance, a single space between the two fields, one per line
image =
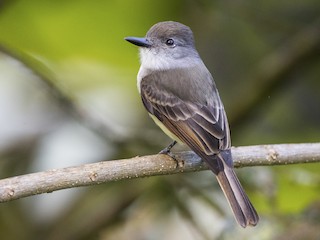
x=168 y=149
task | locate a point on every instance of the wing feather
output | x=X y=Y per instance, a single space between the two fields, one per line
x=199 y=122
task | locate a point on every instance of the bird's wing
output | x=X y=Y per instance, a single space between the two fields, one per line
x=198 y=122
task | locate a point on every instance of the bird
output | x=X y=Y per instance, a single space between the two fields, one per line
x=181 y=96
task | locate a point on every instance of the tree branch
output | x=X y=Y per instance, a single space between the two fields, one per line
x=137 y=167
x=273 y=70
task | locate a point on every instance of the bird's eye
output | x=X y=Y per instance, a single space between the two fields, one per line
x=170 y=42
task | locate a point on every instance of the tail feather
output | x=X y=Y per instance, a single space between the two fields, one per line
x=222 y=166
x=241 y=206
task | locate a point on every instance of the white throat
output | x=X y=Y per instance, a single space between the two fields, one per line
x=151 y=60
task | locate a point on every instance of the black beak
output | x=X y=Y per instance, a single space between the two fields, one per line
x=141 y=42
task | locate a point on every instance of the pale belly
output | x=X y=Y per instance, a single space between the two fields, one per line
x=165 y=129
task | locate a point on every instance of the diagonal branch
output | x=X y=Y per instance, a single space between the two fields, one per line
x=138 y=167
x=272 y=71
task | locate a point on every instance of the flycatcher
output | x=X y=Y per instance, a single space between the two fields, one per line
x=179 y=93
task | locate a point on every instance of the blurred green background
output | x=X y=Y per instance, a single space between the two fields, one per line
x=68 y=96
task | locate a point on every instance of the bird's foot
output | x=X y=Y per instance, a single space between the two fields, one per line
x=167 y=151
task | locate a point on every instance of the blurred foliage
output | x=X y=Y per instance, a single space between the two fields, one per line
x=68 y=96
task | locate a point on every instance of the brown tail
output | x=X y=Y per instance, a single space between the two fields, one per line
x=241 y=206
